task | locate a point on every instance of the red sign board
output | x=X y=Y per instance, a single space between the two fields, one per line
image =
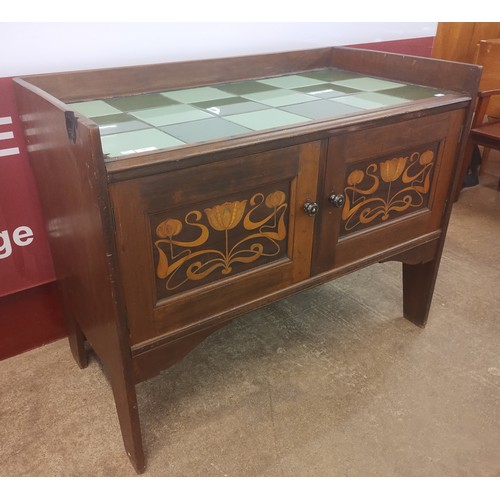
x=25 y=259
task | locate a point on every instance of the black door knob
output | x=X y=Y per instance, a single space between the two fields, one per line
x=311 y=208
x=337 y=200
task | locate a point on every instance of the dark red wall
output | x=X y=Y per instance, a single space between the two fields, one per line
x=411 y=46
x=29 y=319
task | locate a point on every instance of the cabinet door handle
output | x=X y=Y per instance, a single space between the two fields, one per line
x=311 y=208
x=337 y=200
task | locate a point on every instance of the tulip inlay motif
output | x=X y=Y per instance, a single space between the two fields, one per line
x=251 y=229
x=386 y=188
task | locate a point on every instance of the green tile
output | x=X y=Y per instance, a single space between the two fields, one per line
x=205 y=130
x=218 y=102
x=117 y=118
x=325 y=90
x=90 y=109
x=358 y=102
x=279 y=97
x=115 y=124
x=384 y=99
x=198 y=94
x=168 y=115
x=136 y=102
x=321 y=109
x=231 y=106
x=268 y=118
x=245 y=87
x=370 y=100
x=412 y=92
x=368 y=84
x=137 y=142
x=290 y=81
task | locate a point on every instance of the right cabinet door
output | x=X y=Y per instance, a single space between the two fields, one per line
x=393 y=181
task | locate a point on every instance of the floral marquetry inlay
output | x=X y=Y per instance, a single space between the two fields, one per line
x=220 y=240
x=387 y=188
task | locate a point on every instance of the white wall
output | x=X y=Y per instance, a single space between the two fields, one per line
x=43 y=47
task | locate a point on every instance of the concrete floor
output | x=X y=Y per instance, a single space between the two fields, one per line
x=330 y=382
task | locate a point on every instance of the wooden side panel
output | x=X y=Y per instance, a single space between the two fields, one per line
x=70 y=179
x=72 y=204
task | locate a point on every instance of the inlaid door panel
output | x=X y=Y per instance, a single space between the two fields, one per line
x=388 y=187
x=207 y=242
x=197 y=243
x=388 y=177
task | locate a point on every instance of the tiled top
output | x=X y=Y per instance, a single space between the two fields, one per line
x=140 y=123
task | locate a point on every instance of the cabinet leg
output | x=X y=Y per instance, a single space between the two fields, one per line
x=123 y=387
x=418 y=288
x=128 y=416
x=77 y=343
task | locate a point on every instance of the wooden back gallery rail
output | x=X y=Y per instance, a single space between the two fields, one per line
x=233 y=183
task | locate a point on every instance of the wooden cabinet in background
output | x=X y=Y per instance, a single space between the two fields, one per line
x=477 y=43
x=156 y=248
x=459 y=41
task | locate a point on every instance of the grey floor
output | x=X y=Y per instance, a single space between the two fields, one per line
x=330 y=382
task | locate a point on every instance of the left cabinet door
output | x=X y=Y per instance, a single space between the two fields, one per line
x=200 y=244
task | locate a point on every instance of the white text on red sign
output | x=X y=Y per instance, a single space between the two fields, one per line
x=6 y=135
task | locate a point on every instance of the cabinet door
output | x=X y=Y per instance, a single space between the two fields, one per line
x=198 y=245
x=395 y=180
